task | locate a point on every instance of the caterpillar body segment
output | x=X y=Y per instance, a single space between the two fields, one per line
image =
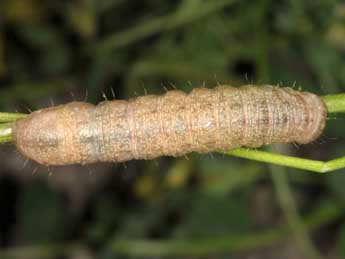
x=172 y=124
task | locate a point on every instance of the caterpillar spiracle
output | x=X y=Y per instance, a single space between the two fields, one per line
x=172 y=124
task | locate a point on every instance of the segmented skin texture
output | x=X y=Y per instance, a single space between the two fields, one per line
x=173 y=124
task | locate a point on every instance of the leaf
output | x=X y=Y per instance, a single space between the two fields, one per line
x=223 y=175
x=215 y=216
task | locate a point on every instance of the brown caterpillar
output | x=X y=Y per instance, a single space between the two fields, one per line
x=172 y=124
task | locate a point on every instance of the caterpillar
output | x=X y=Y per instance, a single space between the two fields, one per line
x=172 y=124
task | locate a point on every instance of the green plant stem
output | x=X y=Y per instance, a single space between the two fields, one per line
x=327 y=212
x=335 y=102
x=6 y=119
x=287 y=203
x=5 y=132
x=10 y=117
x=201 y=247
x=288 y=161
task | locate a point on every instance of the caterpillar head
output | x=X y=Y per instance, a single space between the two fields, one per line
x=48 y=136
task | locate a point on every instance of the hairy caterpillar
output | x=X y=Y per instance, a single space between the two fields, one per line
x=172 y=124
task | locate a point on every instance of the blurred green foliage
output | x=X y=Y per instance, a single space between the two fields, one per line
x=200 y=205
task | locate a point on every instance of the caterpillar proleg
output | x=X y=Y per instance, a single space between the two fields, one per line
x=172 y=124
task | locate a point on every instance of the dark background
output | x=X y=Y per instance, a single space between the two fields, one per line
x=202 y=206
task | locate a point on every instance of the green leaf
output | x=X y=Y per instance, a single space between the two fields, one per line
x=215 y=216
x=221 y=175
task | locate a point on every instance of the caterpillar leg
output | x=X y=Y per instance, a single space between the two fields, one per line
x=289 y=161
